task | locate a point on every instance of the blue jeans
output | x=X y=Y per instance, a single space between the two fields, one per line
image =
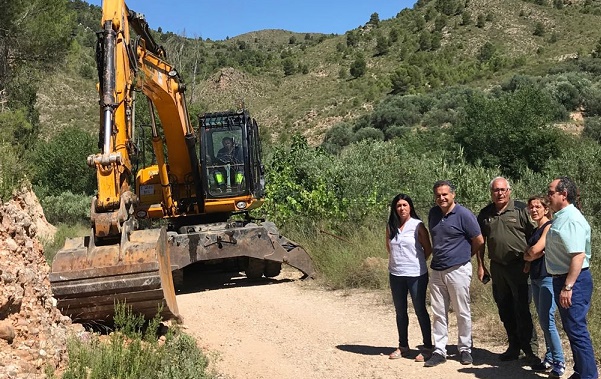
x=542 y=295
x=575 y=326
x=400 y=286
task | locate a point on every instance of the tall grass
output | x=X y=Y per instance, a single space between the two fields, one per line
x=133 y=351
x=356 y=259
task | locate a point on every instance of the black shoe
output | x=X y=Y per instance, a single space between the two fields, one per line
x=435 y=360
x=543 y=366
x=531 y=359
x=466 y=358
x=509 y=355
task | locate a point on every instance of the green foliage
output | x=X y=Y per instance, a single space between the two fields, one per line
x=339 y=260
x=60 y=164
x=352 y=38
x=374 y=19
x=510 y=132
x=12 y=172
x=368 y=133
x=487 y=51
x=382 y=45
x=65 y=207
x=337 y=137
x=134 y=352
x=592 y=128
x=480 y=21
x=466 y=18
x=596 y=53
x=539 y=29
x=288 y=66
x=358 y=67
x=297 y=182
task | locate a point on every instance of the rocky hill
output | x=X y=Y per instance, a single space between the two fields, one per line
x=33 y=333
x=436 y=44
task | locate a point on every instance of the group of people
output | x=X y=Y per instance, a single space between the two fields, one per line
x=545 y=242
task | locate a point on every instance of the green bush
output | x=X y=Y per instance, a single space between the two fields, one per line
x=67 y=207
x=60 y=164
x=368 y=133
x=12 y=173
x=511 y=132
x=133 y=351
x=592 y=128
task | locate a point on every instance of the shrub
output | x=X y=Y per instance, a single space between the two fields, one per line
x=368 y=133
x=60 y=164
x=134 y=352
x=511 y=132
x=358 y=67
x=592 y=128
x=11 y=171
x=66 y=207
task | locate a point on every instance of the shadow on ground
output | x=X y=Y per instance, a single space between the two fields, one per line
x=366 y=350
x=488 y=366
x=206 y=280
x=486 y=363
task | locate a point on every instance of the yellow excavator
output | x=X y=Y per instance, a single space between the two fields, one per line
x=190 y=206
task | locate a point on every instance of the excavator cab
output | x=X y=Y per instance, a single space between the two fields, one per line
x=230 y=155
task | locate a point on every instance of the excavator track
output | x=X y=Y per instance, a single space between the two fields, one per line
x=88 y=280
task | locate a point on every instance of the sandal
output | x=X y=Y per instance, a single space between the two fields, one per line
x=398 y=353
x=424 y=355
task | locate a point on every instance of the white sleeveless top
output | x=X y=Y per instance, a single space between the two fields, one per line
x=406 y=253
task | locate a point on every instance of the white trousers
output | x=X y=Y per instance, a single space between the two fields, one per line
x=451 y=285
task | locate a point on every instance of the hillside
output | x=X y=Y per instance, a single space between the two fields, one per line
x=436 y=44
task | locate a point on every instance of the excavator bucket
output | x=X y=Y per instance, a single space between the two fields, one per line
x=262 y=244
x=88 y=280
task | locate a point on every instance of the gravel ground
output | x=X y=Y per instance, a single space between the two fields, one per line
x=288 y=329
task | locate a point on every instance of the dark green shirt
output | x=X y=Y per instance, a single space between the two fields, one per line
x=506 y=233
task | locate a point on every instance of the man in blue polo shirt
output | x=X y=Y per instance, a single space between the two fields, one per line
x=567 y=257
x=456 y=237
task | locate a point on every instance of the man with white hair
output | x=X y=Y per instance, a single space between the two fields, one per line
x=505 y=226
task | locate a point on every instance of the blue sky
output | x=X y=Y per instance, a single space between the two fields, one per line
x=218 y=19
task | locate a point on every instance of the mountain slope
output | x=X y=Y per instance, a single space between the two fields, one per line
x=436 y=44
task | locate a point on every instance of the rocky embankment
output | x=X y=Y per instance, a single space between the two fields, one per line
x=33 y=333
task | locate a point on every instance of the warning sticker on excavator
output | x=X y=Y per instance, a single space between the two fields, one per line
x=146 y=190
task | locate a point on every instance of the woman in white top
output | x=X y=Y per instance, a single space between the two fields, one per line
x=409 y=247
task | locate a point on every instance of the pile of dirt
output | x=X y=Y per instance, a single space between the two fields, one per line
x=33 y=333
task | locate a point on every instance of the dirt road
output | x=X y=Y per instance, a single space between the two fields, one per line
x=291 y=329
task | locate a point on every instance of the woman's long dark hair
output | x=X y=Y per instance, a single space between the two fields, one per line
x=394 y=222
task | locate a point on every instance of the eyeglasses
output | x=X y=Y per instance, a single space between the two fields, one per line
x=551 y=192
x=500 y=190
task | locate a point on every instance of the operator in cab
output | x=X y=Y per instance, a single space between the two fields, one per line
x=230 y=152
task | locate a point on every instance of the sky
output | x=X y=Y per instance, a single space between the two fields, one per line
x=219 y=19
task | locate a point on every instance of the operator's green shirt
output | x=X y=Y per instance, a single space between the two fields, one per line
x=506 y=233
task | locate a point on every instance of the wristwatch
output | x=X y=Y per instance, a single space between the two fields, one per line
x=568 y=287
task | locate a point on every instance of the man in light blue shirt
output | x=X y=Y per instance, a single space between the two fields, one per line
x=567 y=256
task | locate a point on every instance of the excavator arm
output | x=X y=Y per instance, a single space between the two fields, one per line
x=117 y=262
